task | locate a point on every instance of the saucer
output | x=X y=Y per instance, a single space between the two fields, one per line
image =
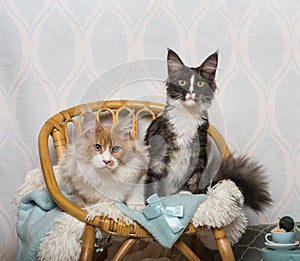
x=278 y=246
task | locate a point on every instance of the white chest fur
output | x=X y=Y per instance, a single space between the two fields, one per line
x=186 y=122
x=179 y=169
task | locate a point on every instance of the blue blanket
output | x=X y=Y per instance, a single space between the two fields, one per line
x=158 y=225
x=36 y=216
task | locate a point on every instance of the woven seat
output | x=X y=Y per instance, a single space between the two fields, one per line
x=58 y=127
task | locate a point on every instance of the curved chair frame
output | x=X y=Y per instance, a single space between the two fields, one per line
x=56 y=127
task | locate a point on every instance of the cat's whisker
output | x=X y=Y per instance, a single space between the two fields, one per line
x=107 y=165
x=183 y=125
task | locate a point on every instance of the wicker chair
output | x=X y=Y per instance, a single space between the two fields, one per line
x=57 y=127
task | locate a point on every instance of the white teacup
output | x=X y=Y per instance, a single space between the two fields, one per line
x=280 y=237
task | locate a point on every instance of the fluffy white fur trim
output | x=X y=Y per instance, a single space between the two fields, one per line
x=222 y=208
x=63 y=242
x=34 y=181
x=106 y=209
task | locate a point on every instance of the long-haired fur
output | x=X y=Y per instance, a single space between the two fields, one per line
x=249 y=176
x=93 y=176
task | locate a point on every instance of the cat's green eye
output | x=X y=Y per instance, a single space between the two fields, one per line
x=97 y=147
x=200 y=84
x=115 y=149
x=182 y=82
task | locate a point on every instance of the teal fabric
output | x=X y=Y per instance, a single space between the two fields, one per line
x=158 y=227
x=281 y=255
x=36 y=216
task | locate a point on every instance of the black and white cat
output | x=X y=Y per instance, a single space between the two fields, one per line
x=178 y=138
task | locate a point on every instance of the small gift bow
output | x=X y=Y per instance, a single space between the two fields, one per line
x=170 y=214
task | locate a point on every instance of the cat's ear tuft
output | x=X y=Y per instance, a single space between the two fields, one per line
x=208 y=68
x=89 y=123
x=174 y=62
x=124 y=127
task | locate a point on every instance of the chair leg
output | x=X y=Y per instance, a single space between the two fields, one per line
x=124 y=249
x=88 y=243
x=196 y=245
x=186 y=251
x=223 y=245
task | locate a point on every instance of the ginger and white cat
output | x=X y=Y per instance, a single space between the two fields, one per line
x=104 y=164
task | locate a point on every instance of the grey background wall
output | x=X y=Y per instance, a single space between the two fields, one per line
x=56 y=54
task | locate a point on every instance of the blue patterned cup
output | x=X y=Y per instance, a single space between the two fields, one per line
x=280 y=237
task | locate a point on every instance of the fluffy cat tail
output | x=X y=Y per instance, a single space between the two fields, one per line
x=249 y=177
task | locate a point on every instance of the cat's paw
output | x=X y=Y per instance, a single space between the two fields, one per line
x=91 y=215
x=185 y=192
x=93 y=211
x=194 y=189
x=136 y=206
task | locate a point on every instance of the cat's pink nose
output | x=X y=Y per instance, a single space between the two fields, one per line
x=106 y=162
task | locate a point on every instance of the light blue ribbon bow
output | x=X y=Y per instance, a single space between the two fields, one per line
x=170 y=214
